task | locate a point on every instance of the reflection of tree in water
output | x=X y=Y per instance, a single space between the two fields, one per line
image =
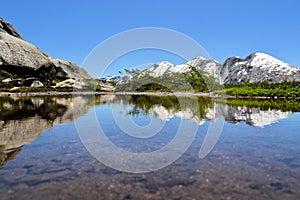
x=22 y=108
x=283 y=105
x=142 y=103
x=200 y=109
x=24 y=119
x=51 y=110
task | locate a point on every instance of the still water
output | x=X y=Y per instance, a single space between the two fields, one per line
x=255 y=154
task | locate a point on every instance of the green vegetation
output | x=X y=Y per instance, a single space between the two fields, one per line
x=201 y=81
x=197 y=80
x=136 y=80
x=265 y=89
x=92 y=84
x=194 y=81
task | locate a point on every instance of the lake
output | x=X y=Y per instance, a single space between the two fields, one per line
x=148 y=147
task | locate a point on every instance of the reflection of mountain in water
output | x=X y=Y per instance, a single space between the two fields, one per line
x=24 y=119
x=200 y=110
x=253 y=116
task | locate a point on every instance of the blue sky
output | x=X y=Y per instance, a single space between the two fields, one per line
x=71 y=29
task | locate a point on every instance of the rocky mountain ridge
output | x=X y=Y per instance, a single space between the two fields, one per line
x=257 y=67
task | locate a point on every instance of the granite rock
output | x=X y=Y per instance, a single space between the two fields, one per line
x=21 y=59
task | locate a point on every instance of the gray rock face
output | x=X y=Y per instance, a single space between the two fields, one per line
x=8 y=28
x=257 y=67
x=18 y=52
x=20 y=58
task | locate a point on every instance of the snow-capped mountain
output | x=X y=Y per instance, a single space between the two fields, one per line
x=211 y=66
x=257 y=67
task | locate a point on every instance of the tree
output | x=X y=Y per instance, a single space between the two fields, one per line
x=197 y=78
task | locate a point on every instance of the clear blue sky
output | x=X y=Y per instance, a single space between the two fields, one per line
x=71 y=29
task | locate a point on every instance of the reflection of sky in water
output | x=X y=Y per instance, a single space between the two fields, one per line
x=123 y=138
x=247 y=162
x=141 y=120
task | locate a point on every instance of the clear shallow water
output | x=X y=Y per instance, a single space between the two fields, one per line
x=255 y=157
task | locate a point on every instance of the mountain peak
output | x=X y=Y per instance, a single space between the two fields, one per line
x=259 y=58
x=200 y=58
x=165 y=63
x=260 y=54
x=258 y=67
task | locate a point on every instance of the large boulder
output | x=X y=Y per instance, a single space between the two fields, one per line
x=21 y=59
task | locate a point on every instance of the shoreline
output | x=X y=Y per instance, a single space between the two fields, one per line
x=179 y=94
x=50 y=93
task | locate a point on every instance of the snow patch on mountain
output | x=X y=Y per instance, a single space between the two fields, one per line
x=257 y=67
x=161 y=68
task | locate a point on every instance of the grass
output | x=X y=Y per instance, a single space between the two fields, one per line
x=273 y=90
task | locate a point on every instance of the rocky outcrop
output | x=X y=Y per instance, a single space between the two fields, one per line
x=20 y=59
x=106 y=86
x=257 y=67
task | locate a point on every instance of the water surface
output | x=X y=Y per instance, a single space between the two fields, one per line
x=256 y=156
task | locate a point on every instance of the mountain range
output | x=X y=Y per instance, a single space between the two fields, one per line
x=23 y=64
x=257 y=67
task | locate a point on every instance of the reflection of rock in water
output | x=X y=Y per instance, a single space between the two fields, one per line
x=8 y=155
x=253 y=116
x=162 y=113
x=24 y=119
x=16 y=133
x=199 y=113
